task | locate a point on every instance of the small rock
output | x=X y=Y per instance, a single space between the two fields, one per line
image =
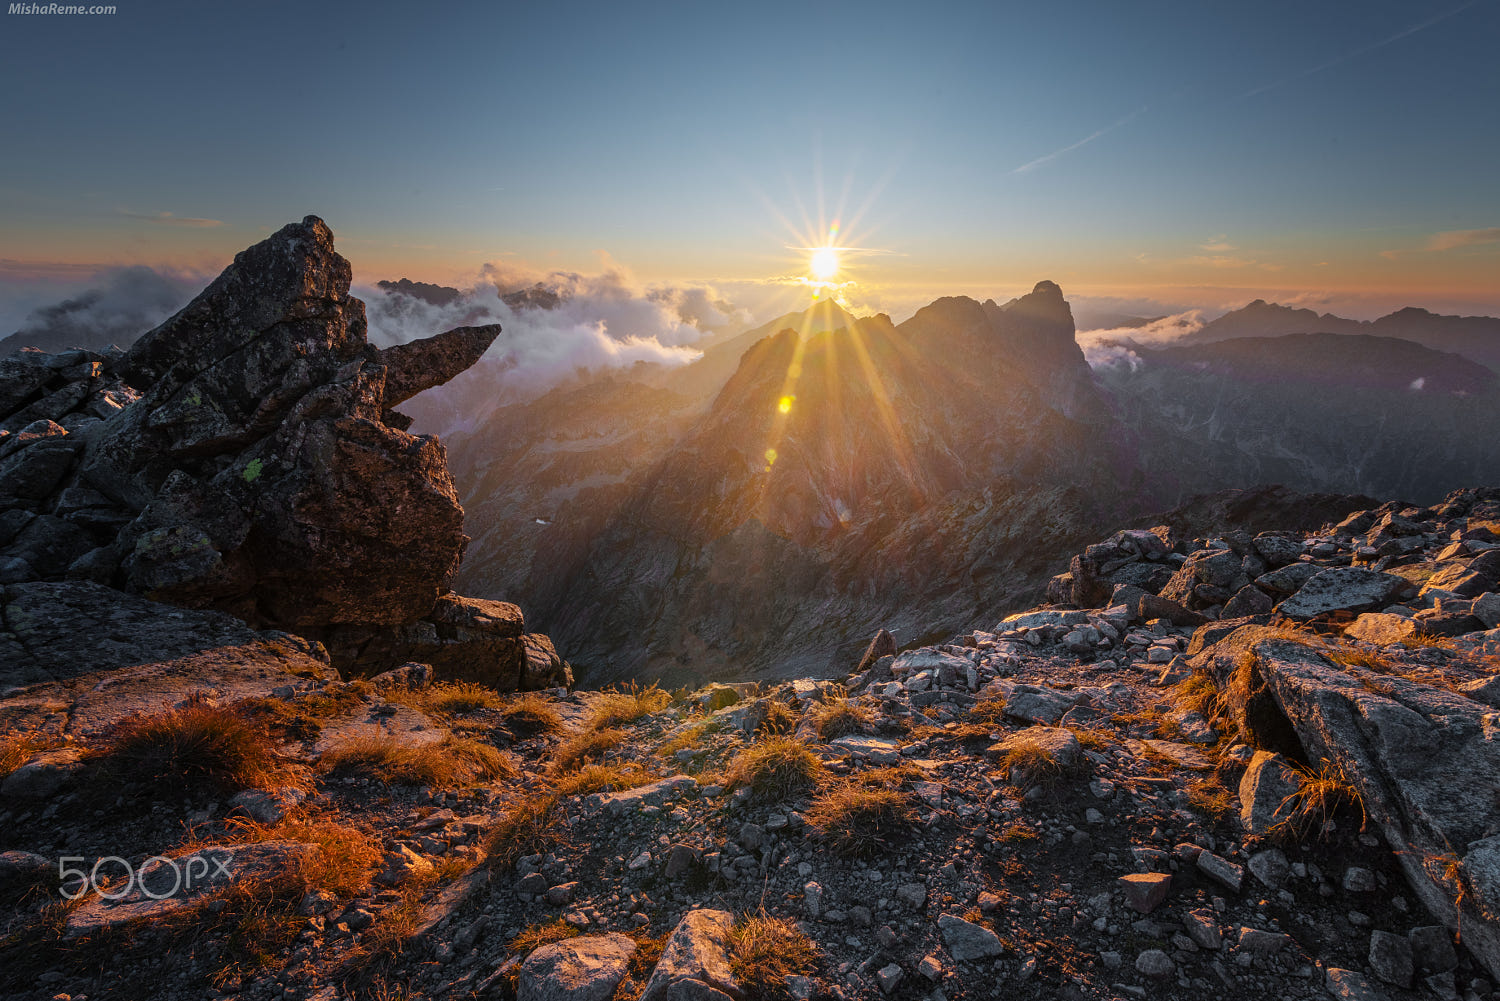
x=1222 y=870
x=1391 y=958
x=967 y=941
x=1155 y=964
x=1145 y=891
x=889 y=977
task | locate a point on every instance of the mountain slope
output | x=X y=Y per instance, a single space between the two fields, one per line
x=841 y=483
x=1341 y=412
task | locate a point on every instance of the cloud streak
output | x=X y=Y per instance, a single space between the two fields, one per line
x=1044 y=160
x=168 y=219
x=1363 y=50
x=1453 y=239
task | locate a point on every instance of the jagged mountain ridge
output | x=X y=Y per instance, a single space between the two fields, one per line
x=895 y=465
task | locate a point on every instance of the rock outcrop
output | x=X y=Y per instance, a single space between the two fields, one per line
x=244 y=456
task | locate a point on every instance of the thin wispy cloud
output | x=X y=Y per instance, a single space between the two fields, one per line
x=168 y=219
x=1363 y=50
x=1042 y=160
x=1453 y=239
x=1217 y=245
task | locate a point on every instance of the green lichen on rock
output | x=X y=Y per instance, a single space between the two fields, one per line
x=252 y=470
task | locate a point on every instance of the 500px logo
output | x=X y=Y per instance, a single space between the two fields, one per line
x=157 y=878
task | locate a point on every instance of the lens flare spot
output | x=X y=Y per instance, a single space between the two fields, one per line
x=785 y=404
x=770 y=457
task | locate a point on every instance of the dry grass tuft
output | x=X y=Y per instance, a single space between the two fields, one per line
x=18 y=748
x=593 y=778
x=1198 y=694
x=1367 y=659
x=530 y=714
x=1030 y=765
x=1092 y=740
x=1209 y=797
x=198 y=743
x=625 y=706
x=453 y=761
x=989 y=711
x=779 y=719
x=589 y=745
x=1018 y=834
x=1322 y=795
x=648 y=950
x=688 y=738
x=855 y=818
x=775 y=768
x=765 y=951
x=458 y=697
x=532 y=825
x=839 y=717
x=533 y=937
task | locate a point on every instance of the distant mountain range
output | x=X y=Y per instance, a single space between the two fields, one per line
x=1474 y=337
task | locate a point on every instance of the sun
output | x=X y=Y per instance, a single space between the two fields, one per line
x=824 y=264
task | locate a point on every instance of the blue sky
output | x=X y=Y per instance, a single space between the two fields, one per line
x=1177 y=152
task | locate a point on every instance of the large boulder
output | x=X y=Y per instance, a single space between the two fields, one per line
x=588 y=968
x=696 y=953
x=244 y=456
x=1352 y=589
x=1422 y=759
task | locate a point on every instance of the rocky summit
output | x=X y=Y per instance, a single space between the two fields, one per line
x=244 y=457
x=254 y=746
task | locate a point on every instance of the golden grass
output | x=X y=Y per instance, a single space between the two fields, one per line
x=588 y=745
x=1367 y=659
x=1322 y=794
x=533 y=937
x=593 y=778
x=1092 y=740
x=765 y=951
x=839 y=717
x=18 y=748
x=459 y=697
x=1209 y=797
x=689 y=738
x=1017 y=834
x=779 y=719
x=198 y=743
x=775 y=768
x=989 y=711
x=625 y=706
x=854 y=818
x=452 y=761
x=648 y=950
x=1198 y=694
x=530 y=714
x=532 y=825
x=1029 y=764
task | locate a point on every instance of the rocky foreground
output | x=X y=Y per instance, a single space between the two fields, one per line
x=1249 y=766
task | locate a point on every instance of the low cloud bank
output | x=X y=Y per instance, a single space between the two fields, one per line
x=557 y=324
x=1112 y=348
